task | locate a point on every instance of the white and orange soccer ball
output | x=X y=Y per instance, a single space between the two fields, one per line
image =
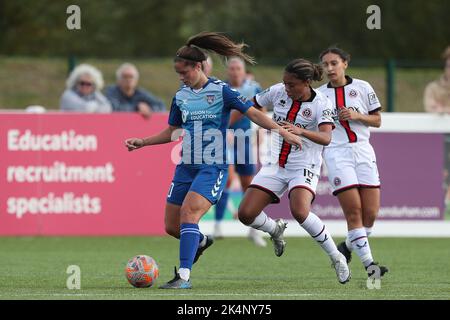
x=141 y=271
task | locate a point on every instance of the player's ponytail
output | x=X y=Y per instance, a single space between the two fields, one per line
x=211 y=41
x=304 y=70
x=318 y=72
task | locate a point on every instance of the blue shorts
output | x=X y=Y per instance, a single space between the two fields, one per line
x=245 y=169
x=208 y=181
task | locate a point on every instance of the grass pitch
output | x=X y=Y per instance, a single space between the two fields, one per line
x=35 y=268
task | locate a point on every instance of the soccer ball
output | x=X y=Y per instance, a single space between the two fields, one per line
x=141 y=271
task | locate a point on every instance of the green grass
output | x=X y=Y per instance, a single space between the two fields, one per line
x=35 y=268
x=29 y=81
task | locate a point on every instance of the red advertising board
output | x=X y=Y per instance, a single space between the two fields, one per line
x=70 y=174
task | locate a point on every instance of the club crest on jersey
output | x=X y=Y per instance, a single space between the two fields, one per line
x=242 y=99
x=337 y=181
x=210 y=99
x=307 y=113
x=353 y=93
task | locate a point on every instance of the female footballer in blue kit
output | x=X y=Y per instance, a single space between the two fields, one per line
x=202 y=108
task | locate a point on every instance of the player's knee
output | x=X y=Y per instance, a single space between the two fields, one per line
x=369 y=217
x=188 y=215
x=300 y=214
x=173 y=231
x=354 y=215
x=245 y=215
x=369 y=212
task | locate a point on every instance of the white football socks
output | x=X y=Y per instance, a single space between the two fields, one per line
x=360 y=243
x=264 y=223
x=348 y=243
x=318 y=231
x=368 y=231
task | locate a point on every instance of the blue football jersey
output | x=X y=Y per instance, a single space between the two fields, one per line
x=249 y=89
x=204 y=115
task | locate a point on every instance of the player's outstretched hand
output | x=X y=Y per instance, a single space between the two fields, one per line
x=289 y=127
x=134 y=143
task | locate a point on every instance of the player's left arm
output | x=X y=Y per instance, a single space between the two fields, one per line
x=371 y=120
x=233 y=100
x=236 y=115
x=324 y=122
x=323 y=136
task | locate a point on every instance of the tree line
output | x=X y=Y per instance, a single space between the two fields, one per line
x=274 y=29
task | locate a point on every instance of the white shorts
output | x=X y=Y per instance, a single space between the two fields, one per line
x=353 y=166
x=276 y=180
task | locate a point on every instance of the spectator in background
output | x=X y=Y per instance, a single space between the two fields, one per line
x=249 y=75
x=127 y=97
x=82 y=92
x=437 y=93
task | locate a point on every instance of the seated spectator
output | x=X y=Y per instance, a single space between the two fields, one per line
x=437 y=93
x=127 y=96
x=82 y=92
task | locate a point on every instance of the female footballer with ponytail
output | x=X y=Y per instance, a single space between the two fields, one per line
x=202 y=104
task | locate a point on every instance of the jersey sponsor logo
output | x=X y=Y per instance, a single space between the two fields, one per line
x=210 y=99
x=372 y=98
x=353 y=93
x=354 y=109
x=306 y=113
x=337 y=181
x=200 y=115
x=327 y=113
x=279 y=119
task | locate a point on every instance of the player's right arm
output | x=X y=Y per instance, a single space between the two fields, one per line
x=171 y=133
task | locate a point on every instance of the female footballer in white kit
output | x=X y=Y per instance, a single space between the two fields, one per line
x=306 y=113
x=350 y=159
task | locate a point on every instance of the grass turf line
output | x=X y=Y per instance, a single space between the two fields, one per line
x=35 y=268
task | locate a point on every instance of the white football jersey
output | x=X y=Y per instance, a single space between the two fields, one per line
x=357 y=95
x=306 y=114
